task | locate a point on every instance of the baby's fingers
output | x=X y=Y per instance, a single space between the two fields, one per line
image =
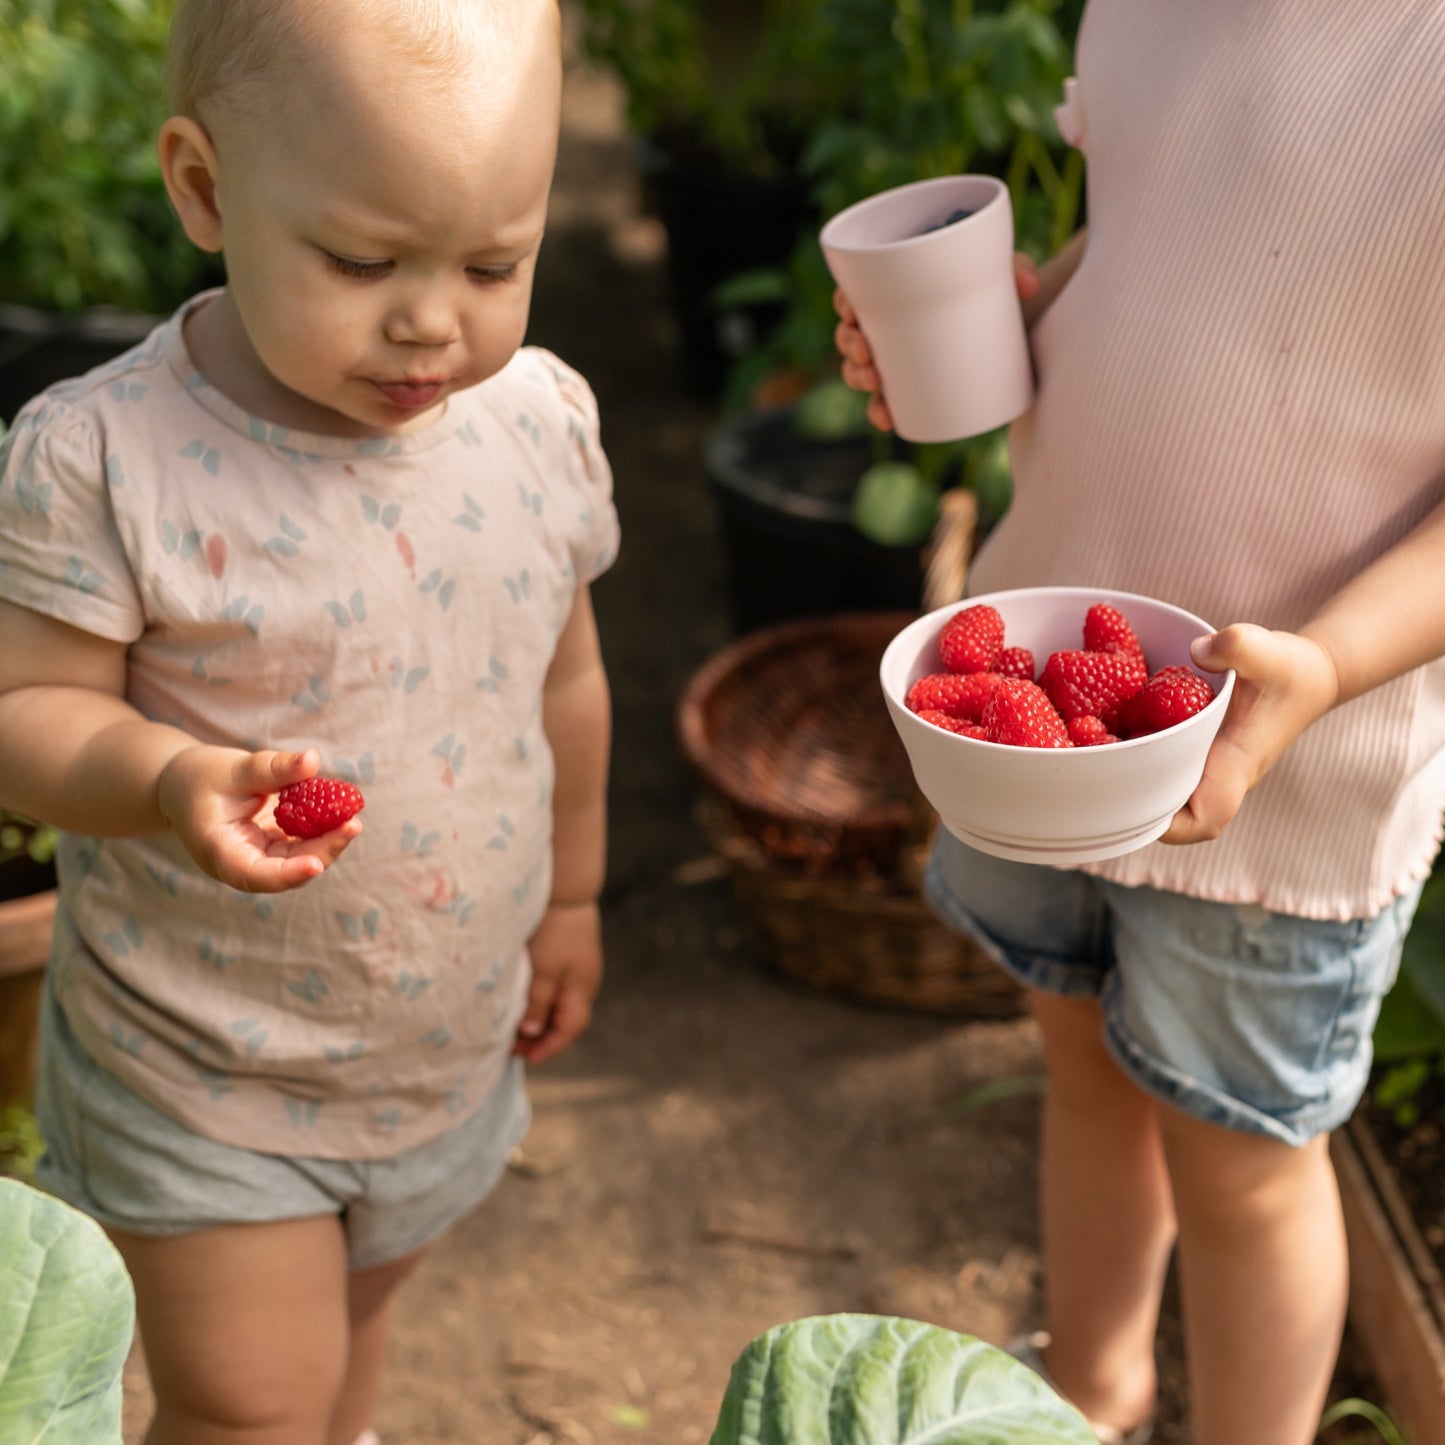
x=269 y=771
x=262 y=862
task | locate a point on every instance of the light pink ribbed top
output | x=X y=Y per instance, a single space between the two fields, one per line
x=1242 y=390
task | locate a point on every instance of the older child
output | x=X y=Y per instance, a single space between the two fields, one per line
x=1241 y=409
x=333 y=519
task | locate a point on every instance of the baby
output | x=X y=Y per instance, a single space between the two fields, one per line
x=331 y=519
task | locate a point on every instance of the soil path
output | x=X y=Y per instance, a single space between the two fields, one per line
x=723 y=1151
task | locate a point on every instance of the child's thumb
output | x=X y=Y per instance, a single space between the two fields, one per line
x=269 y=771
x=1225 y=649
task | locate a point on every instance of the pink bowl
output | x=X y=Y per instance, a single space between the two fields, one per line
x=1055 y=805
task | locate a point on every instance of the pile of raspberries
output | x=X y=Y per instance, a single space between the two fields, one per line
x=1100 y=693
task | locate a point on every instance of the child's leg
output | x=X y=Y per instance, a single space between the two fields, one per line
x=369 y=1298
x=245 y=1331
x=1107 y=1218
x=1264 y=1278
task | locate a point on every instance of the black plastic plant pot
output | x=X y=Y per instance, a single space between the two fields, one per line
x=720 y=222
x=39 y=348
x=791 y=548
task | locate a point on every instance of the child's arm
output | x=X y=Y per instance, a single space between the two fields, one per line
x=1387 y=621
x=567 y=946
x=77 y=755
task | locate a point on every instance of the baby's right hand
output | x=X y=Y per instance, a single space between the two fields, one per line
x=218 y=802
x=858 y=369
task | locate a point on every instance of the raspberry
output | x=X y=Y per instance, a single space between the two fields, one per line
x=1093 y=684
x=316 y=806
x=1019 y=713
x=1089 y=732
x=1106 y=629
x=1170 y=696
x=960 y=696
x=971 y=640
x=952 y=724
x=1015 y=662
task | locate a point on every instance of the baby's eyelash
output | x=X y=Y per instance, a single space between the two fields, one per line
x=363 y=269
x=494 y=273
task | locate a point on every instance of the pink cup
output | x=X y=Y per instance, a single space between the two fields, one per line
x=938 y=303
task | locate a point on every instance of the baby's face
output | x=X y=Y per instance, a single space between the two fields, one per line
x=381 y=231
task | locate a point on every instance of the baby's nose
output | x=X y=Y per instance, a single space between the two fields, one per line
x=425 y=319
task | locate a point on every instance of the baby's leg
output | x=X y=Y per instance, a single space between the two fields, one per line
x=1107 y=1218
x=245 y=1329
x=369 y=1297
x=1264 y=1278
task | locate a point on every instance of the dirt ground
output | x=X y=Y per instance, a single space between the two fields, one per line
x=723 y=1151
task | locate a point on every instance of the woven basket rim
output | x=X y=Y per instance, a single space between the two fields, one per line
x=692 y=708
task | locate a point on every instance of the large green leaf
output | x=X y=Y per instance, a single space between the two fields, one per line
x=877 y=1380
x=67 y=1313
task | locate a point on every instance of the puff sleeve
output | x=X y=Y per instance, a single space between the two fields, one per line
x=61 y=553
x=586 y=475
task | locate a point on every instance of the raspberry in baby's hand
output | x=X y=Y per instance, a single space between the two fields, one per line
x=316 y=806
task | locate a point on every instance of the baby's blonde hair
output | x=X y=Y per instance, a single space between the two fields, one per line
x=230 y=51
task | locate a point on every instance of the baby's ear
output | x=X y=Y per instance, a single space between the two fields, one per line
x=189 y=167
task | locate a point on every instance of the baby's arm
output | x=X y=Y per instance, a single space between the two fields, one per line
x=77 y=755
x=1387 y=621
x=567 y=946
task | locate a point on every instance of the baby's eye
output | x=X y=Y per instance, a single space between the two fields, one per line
x=492 y=274
x=364 y=269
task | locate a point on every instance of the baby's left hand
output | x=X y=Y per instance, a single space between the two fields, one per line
x=566 y=954
x=1283 y=682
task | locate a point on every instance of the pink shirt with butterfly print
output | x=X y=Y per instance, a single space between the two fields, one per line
x=393 y=602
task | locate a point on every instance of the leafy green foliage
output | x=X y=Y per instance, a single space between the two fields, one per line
x=67 y=1314
x=843 y=1379
x=84 y=218
x=939 y=87
x=736 y=82
x=895 y=504
x=20 y=1143
x=1409 y=1036
x=22 y=837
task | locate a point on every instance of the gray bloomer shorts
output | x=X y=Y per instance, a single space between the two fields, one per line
x=116 y=1157
x=1249 y=1019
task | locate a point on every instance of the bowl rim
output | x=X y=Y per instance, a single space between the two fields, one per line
x=1114 y=597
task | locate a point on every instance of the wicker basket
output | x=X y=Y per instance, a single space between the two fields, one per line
x=811 y=803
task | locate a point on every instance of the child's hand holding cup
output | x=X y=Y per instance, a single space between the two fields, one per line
x=926 y=273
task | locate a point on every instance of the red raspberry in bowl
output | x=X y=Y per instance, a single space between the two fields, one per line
x=1106 y=629
x=960 y=696
x=1020 y=714
x=1169 y=697
x=1093 y=684
x=971 y=640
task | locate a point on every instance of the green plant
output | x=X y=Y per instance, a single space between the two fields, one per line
x=1409 y=1036
x=734 y=82
x=887 y=1381
x=84 y=218
x=20 y=1143
x=1382 y=1428
x=67 y=1314
x=22 y=837
x=938 y=87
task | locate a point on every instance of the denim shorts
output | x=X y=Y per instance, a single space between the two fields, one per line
x=1252 y=1020
x=117 y=1158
